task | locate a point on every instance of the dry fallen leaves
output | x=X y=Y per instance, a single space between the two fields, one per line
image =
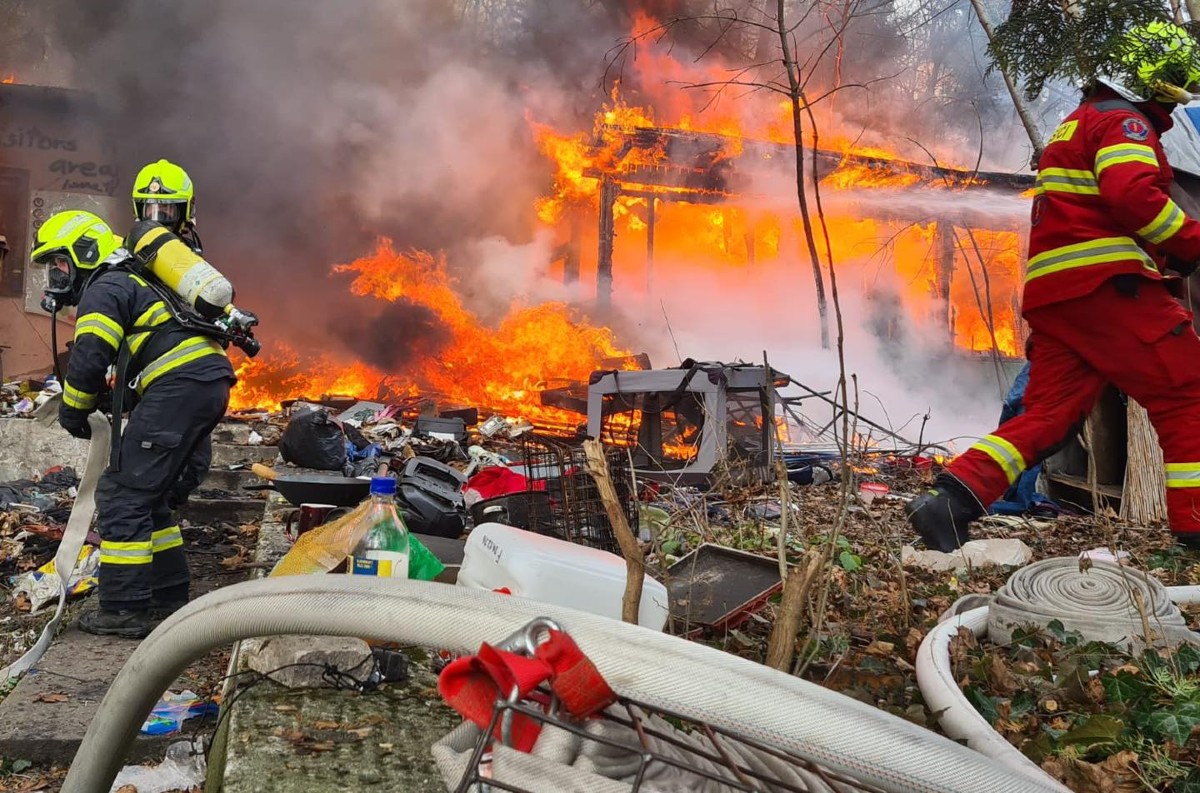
x=50 y=696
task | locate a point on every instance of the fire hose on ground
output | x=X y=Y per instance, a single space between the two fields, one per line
x=796 y=716
x=1098 y=602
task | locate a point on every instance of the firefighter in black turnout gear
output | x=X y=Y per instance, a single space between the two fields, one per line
x=177 y=382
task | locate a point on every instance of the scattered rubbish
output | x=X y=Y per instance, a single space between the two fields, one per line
x=173 y=710
x=717 y=587
x=538 y=567
x=383 y=549
x=255 y=439
x=41 y=586
x=974 y=553
x=431 y=493
x=183 y=769
x=869 y=491
x=326 y=548
x=313 y=439
x=493 y=425
x=1105 y=555
x=442 y=429
x=361 y=413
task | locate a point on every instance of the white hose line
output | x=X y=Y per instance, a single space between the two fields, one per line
x=1184 y=595
x=72 y=541
x=799 y=717
x=1105 y=602
x=957 y=716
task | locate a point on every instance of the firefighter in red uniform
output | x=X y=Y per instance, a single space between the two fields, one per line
x=1104 y=237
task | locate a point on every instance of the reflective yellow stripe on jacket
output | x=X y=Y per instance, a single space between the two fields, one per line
x=152 y=317
x=1004 y=454
x=1123 y=153
x=80 y=400
x=1084 y=254
x=182 y=353
x=99 y=325
x=1067 y=180
x=1165 y=225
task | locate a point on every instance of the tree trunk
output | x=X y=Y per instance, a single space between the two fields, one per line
x=795 y=90
x=1031 y=129
x=1193 y=9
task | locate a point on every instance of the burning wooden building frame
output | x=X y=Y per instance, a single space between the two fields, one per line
x=652 y=167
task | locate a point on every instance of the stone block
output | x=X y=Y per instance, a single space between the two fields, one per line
x=28 y=448
x=974 y=553
x=312 y=653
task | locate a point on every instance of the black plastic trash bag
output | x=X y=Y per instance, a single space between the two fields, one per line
x=314 y=440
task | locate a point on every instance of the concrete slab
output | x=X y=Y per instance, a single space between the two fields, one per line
x=226 y=454
x=225 y=479
x=77 y=669
x=207 y=511
x=45 y=716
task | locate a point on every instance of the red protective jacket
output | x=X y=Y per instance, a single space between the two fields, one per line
x=1102 y=206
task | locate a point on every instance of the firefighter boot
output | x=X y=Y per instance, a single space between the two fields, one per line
x=941 y=515
x=167 y=601
x=125 y=623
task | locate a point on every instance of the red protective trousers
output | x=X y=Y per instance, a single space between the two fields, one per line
x=1146 y=346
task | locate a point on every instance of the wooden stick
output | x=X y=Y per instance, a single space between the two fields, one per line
x=635 y=560
x=264 y=472
x=781 y=647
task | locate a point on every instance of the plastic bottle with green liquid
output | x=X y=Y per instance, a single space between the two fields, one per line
x=384 y=549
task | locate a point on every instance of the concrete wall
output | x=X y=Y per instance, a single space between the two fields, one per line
x=27 y=449
x=28 y=338
x=53 y=156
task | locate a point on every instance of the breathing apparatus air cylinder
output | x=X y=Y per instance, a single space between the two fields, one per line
x=170 y=260
x=173 y=264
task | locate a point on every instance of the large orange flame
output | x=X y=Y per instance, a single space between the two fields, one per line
x=502 y=368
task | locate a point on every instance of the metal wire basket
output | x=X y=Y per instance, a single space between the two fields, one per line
x=639 y=746
x=577 y=513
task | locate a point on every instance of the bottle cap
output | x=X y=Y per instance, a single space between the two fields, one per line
x=383 y=486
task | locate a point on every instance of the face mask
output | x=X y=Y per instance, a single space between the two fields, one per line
x=166 y=214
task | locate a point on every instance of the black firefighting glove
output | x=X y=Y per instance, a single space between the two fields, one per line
x=75 y=421
x=1181 y=266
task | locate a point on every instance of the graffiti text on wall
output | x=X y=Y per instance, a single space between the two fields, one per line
x=34 y=138
x=86 y=177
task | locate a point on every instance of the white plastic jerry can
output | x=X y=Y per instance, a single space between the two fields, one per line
x=554 y=571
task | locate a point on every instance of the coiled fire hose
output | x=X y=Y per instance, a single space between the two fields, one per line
x=73 y=537
x=1098 y=602
x=700 y=683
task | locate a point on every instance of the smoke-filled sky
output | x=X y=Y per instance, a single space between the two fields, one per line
x=312 y=127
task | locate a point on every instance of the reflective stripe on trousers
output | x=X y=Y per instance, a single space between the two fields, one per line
x=166 y=539
x=126 y=552
x=1183 y=474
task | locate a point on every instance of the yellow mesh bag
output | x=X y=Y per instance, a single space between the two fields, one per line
x=325 y=547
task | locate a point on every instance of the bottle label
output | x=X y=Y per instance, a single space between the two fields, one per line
x=385 y=564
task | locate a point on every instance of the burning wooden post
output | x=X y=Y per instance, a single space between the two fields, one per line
x=609 y=189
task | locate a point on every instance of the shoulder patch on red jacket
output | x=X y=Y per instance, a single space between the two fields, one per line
x=1135 y=128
